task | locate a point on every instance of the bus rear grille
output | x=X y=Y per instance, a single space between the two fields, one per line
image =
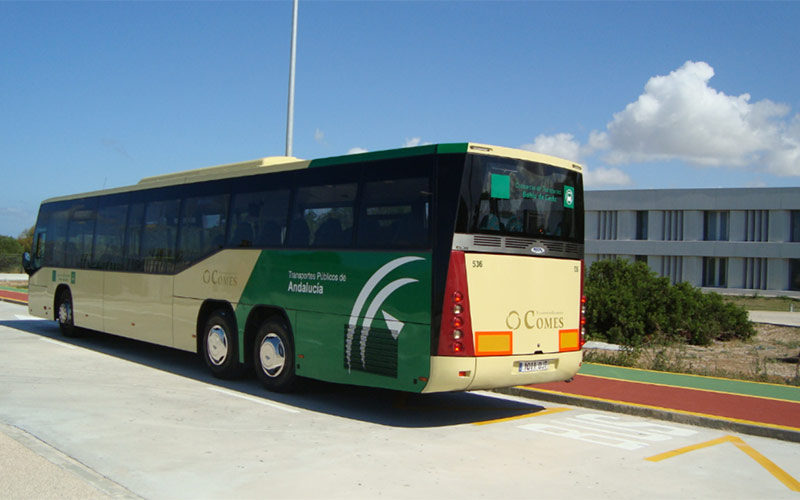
x=516 y=245
x=488 y=241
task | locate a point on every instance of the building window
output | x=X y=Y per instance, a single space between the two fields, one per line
x=796 y=225
x=756 y=225
x=641 y=225
x=715 y=227
x=607 y=225
x=794 y=274
x=672 y=225
x=715 y=272
x=755 y=273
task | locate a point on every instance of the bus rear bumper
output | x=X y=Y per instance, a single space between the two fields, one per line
x=494 y=372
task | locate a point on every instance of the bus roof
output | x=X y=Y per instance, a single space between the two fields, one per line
x=285 y=163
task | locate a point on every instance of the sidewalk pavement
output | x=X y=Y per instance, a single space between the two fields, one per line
x=22 y=278
x=775 y=318
x=767 y=410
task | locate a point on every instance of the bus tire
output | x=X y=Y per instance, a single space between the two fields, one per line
x=220 y=346
x=65 y=314
x=273 y=356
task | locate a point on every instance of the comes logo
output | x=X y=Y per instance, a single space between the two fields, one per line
x=395 y=326
x=214 y=277
x=514 y=320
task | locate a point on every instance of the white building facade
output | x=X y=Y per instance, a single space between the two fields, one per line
x=746 y=240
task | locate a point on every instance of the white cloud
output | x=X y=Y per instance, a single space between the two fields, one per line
x=355 y=151
x=414 y=142
x=561 y=145
x=567 y=147
x=319 y=136
x=597 y=177
x=679 y=116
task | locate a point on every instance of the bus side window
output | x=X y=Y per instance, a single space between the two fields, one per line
x=109 y=237
x=323 y=216
x=133 y=238
x=259 y=219
x=395 y=213
x=38 y=250
x=58 y=222
x=202 y=228
x=80 y=234
x=159 y=236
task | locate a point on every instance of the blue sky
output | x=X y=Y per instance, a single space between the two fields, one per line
x=645 y=94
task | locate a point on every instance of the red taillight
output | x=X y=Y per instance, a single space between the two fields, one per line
x=582 y=331
x=455 y=332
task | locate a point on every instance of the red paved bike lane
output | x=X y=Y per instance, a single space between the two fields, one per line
x=14 y=296
x=751 y=409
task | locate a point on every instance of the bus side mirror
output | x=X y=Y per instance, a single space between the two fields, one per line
x=27 y=265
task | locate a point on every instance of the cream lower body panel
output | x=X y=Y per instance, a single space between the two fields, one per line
x=493 y=372
x=139 y=306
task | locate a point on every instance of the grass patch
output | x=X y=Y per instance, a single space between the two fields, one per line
x=756 y=303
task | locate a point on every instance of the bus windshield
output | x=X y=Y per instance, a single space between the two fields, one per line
x=507 y=197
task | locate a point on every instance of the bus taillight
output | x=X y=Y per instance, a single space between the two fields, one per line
x=583 y=320
x=582 y=331
x=455 y=334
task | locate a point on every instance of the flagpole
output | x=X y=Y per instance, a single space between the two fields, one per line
x=290 y=113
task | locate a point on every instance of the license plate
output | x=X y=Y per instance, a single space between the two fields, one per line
x=534 y=366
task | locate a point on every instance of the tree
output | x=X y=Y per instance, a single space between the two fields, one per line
x=627 y=303
x=10 y=254
x=9 y=245
x=26 y=239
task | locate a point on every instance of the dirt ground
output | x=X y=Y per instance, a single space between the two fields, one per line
x=771 y=356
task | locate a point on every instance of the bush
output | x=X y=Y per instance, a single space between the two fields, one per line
x=627 y=303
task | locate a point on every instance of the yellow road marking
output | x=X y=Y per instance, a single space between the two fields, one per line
x=687 y=449
x=780 y=474
x=548 y=411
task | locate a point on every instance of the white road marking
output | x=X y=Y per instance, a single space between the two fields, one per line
x=609 y=431
x=254 y=400
x=56 y=342
x=25 y=317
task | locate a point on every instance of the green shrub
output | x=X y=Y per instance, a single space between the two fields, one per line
x=627 y=303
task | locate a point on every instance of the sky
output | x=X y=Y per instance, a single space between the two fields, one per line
x=646 y=95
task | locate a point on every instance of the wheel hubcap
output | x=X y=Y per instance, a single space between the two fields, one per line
x=64 y=313
x=217 y=345
x=272 y=354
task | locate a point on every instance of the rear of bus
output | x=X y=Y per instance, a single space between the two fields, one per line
x=511 y=284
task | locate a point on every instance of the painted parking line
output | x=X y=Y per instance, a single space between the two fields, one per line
x=780 y=474
x=254 y=400
x=56 y=342
x=547 y=411
x=607 y=430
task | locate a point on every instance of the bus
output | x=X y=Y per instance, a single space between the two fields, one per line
x=447 y=267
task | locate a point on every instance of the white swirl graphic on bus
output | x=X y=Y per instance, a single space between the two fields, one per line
x=394 y=325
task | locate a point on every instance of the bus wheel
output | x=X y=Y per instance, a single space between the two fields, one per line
x=219 y=345
x=273 y=357
x=65 y=315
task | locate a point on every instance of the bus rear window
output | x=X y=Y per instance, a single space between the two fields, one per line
x=518 y=198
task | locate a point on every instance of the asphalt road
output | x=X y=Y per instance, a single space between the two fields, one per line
x=105 y=417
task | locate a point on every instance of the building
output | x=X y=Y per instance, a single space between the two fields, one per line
x=745 y=240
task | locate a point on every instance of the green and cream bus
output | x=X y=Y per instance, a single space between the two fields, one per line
x=445 y=267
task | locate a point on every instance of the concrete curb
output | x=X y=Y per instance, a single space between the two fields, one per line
x=681 y=417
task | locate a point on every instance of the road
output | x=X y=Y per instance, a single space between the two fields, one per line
x=123 y=419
